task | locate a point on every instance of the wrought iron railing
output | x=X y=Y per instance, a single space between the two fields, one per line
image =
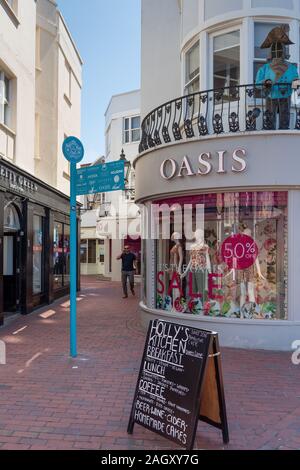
x=225 y=110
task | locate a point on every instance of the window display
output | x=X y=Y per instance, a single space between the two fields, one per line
x=58 y=255
x=235 y=266
x=37 y=276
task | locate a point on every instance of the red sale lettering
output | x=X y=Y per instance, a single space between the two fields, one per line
x=160 y=282
x=212 y=286
x=175 y=284
x=190 y=292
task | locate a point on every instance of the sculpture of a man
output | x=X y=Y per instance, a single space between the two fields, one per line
x=277 y=77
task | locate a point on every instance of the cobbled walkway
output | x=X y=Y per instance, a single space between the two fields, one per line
x=49 y=401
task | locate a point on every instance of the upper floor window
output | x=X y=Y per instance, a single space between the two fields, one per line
x=68 y=82
x=192 y=69
x=5 y=99
x=226 y=59
x=261 y=56
x=132 y=128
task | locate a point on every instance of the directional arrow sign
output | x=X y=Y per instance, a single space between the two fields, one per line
x=100 y=178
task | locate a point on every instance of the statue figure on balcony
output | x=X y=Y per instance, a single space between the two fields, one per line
x=277 y=77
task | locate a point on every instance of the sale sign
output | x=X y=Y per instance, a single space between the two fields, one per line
x=239 y=251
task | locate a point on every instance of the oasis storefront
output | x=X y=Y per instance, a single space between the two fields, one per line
x=221 y=247
x=34 y=242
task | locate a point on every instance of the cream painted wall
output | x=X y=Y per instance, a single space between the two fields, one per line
x=17 y=59
x=160 y=57
x=58 y=95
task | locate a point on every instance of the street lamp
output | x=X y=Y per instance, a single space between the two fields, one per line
x=127 y=168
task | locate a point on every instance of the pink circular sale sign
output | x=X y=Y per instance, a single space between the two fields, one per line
x=239 y=251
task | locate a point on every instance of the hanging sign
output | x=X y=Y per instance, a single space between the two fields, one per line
x=100 y=178
x=180 y=382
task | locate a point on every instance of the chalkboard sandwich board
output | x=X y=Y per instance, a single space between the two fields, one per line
x=179 y=383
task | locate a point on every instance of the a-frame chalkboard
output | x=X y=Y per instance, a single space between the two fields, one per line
x=179 y=383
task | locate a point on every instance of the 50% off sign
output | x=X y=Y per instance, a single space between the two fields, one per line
x=239 y=251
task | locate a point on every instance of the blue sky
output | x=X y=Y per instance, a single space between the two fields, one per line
x=107 y=34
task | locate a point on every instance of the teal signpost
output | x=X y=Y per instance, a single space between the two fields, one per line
x=88 y=180
x=100 y=178
x=73 y=151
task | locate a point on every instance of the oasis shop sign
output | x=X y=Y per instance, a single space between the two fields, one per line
x=17 y=182
x=206 y=163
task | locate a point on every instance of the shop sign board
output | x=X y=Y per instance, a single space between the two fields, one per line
x=179 y=383
x=101 y=178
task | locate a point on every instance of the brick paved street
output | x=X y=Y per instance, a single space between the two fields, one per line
x=48 y=401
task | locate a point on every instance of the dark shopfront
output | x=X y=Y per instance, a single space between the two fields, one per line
x=34 y=242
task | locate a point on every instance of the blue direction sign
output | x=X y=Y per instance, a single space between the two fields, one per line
x=100 y=178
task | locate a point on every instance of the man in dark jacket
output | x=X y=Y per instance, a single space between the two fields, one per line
x=128 y=268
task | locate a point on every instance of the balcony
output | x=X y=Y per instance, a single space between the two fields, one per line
x=231 y=110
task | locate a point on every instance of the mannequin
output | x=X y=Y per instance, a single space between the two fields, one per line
x=176 y=260
x=246 y=278
x=199 y=264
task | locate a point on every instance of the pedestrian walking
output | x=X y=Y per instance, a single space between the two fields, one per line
x=128 y=268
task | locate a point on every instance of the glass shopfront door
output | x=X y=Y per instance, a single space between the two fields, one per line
x=11 y=272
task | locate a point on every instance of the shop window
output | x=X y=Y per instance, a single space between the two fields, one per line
x=226 y=60
x=61 y=255
x=91 y=251
x=192 y=70
x=58 y=256
x=83 y=251
x=38 y=252
x=261 y=56
x=66 y=279
x=132 y=131
x=88 y=251
x=235 y=266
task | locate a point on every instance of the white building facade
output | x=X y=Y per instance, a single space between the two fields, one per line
x=116 y=217
x=210 y=147
x=40 y=89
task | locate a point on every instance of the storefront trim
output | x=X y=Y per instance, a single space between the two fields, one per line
x=270 y=338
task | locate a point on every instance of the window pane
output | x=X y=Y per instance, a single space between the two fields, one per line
x=227 y=60
x=135 y=122
x=244 y=244
x=6 y=115
x=126 y=124
x=226 y=41
x=83 y=251
x=135 y=135
x=58 y=256
x=38 y=235
x=92 y=251
x=261 y=31
x=6 y=89
x=192 y=62
x=66 y=255
x=126 y=137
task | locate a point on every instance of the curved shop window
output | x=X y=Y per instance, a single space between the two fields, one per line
x=223 y=255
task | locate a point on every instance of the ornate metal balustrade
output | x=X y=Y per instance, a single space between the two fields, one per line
x=225 y=110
